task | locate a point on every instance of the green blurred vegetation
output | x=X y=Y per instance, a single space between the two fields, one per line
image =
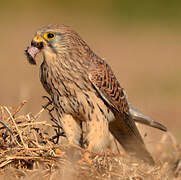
x=148 y=10
x=130 y=11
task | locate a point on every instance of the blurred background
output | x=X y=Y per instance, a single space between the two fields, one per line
x=141 y=40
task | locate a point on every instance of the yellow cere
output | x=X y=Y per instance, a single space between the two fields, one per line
x=49 y=36
x=37 y=39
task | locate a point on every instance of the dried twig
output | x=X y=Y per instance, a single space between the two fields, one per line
x=19 y=108
x=18 y=131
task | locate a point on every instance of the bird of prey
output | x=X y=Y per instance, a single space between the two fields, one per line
x=83 y=88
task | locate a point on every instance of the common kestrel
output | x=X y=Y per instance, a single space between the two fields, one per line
x=83 y=87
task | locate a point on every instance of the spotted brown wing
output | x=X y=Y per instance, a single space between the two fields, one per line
x=105 y=82
x=108 y=86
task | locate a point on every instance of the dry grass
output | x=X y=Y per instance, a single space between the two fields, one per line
x=29 y=151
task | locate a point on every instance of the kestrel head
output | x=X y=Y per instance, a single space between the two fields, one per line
x=53 y=40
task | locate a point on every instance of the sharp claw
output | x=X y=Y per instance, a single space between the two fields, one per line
x=58 y=134
x=48 y=103
x=46 y=97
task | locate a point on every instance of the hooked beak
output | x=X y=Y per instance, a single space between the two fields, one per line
x=37 y=45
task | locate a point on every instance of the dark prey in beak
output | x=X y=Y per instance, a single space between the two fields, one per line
x=29 y=56
x=33 y=50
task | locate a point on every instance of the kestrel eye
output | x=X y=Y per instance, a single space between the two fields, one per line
x=49 y=36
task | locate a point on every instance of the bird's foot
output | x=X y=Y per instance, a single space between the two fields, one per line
x=59 y=152
x=87 y=156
